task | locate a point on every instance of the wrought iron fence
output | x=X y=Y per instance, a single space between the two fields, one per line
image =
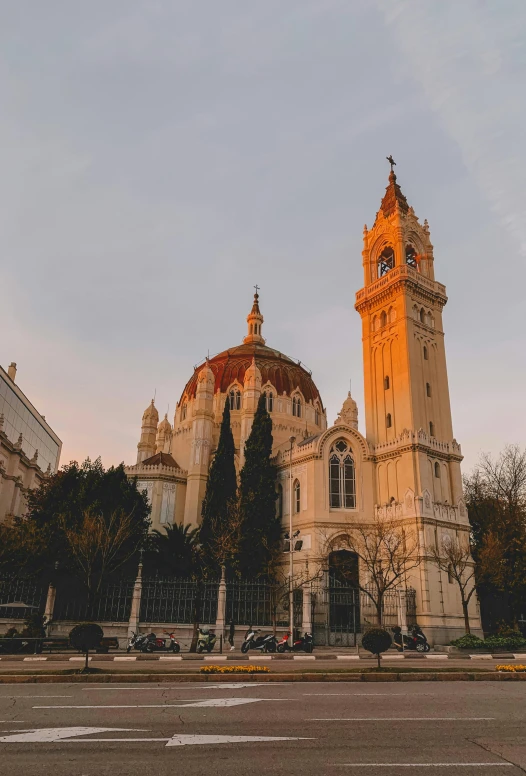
x=261 y=604
x=112 y=604
x=178 y=601
x=28 y=595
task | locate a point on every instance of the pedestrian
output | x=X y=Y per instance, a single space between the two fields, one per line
x=231 y=634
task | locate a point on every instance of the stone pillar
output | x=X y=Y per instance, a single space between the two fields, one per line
x=402 y=610
x=50 y=606
x=306 y=620
x=221 y=605
x=133 y=623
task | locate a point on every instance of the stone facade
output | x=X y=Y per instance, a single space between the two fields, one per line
x=29 y=448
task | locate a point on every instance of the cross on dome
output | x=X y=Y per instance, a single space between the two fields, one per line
x=255 y=322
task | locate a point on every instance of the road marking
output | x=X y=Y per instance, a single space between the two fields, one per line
x=35 y=658
x=35 y=696
x=189 y=740
x=360 y=694
x=217 y=702
x=57 y=734
x=427 y=765
x=392 y=719
x=188 y=687
x=127 y=657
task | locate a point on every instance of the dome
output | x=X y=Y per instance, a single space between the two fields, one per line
x=285 y=374
x=151 y=414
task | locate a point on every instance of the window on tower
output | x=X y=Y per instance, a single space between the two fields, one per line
x=437 y=470
x=426 y=356
x=235 y=399
x=410 y=257
x=428 y=389
x=183 y=411
x=386 y=261
x=342 y=479
x=269 y=401
x=296 y=406
x=386 y=383
x=388 y=420
x=297 y=497
x=431 y=428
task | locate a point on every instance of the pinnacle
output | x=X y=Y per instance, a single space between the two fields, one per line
x=393 y=196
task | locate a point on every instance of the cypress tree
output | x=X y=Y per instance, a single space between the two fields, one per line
x=261 y=526
x=221 y=490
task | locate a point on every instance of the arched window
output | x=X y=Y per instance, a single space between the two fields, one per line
x=342 y=480
x=317 y=415
x=269 y=400
x=386 y=383
x=235 y=399
x=279 y=502
x=386 y=261
x=296 y=406
x=428 y=389
x=422 y=315
x=297 y=497
x=437 y=470
x=383 y=319
x=425 y=353
x=431 y=428
x=410 y=257
x=183 y=411
x=388 y=420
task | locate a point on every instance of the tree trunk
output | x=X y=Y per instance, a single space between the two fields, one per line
x=378 y=656
x=466 y=614
x=379 y=607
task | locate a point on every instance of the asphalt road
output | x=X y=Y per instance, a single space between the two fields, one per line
x=97 y=730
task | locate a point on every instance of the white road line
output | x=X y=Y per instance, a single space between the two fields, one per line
x=188 y=740
x=35 y=696
x=392 y=719
x=360 y=694
x=35 y=658
x=212 y=702
x=58 y=734
x=189 y=687
x=427 y=765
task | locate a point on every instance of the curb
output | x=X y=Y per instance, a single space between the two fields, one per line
x=205 y=658
x=300 y=677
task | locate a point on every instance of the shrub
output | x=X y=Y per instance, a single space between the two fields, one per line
x=86 y=636
x=469 y=641
x=516 y=641
x=377 y=640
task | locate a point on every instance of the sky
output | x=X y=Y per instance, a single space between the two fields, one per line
x=160 y=157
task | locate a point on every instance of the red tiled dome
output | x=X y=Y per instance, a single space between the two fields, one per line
x=280 y=371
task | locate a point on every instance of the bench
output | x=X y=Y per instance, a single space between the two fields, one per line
x=62 y=643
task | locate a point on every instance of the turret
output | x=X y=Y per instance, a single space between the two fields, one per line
x=146 y=446
x=251 y=394
x=348 y=413
x=255 y=322
x=201 y=443
x=164 y=436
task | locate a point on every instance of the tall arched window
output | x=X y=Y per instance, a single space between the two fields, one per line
x=383 y=319
x=235 y=399
x=428 y=389
x=279 y=502
x=342 y=480
x=426 y=356
x=422 y=315
x=183 y=411
x=296 y=406
x=388 y=420
x=431 y=428
x=437 y=469
x=410 y=257
x=269 y=400
x=317 y=415
x=386 y=383
x=386 y=261
x=297 y=496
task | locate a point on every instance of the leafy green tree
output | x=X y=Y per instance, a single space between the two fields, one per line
x=62 y=502
x=173 y=551
x=261 y=526
x=221 y=491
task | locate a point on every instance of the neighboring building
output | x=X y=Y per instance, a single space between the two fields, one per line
x=29 y=448
x=407 y=465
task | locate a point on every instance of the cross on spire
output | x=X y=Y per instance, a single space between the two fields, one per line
x=391 y=161
x=257 y=288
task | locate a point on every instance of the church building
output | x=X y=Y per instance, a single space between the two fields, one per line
x=408 y=464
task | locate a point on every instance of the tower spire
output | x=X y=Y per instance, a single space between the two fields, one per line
x=393 y=196
x=255 y=322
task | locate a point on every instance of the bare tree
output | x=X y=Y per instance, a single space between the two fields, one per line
x=387 y=549
x=100 y=545
x=454 y=558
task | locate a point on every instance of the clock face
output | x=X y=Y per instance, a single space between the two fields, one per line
x=410 y=257
x=386 y=261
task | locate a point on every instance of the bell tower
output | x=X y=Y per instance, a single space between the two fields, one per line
x=405 y=374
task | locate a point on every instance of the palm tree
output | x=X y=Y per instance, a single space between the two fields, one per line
x=174 y=551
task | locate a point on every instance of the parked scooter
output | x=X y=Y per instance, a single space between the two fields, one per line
x=416 y=640
x=206 y=640
x=149 y=642
x=303 y=644
x=263 y=643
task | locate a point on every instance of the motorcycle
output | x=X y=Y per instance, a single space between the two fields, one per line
x=206 y=640
x=303 y=644
x=416 y=640
x=149 y=642
x=266 y=643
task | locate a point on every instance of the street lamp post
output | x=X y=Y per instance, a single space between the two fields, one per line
x=291 y=550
